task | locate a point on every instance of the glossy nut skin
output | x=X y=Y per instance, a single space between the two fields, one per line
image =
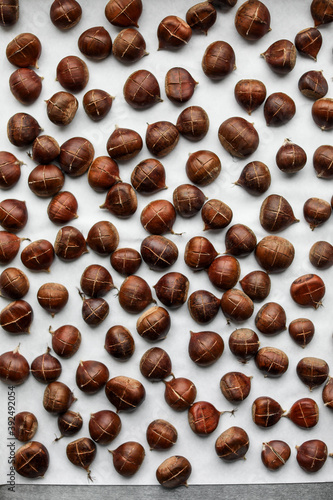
x=327 y=393
x=104 y=426
x=124 y=144
x=274 y=253
x=174 y=472
x=31 y=460
x=82 y=453
x=203 y=167
x=271 y=318
x=94 y=311
x=322 y=162
x=172 y=289
x=70 y=243
x=275 y=454
x=155 y=364
x=22 y=129
x=244 y=344
x=45 y=149
x=9 y=246
x=62 y=208
x=129 y=46
x=148 y=176
x=14 y=284
x=321 y=255
x=322 y=113
x=308 y=42
x=96 y=281
x=224 y=272
x=95 y=43
x=121 y=200
x=161 y=435
x=205 y=348
x=65 y=14
x=279 y=109
x=238 y=137
x=218 y=60
x=141 y=90
x=52 y=297
x=232 y=444
x=199 y=253
x=46 y=368
x=173 y=32
x=216 y=215
x=97 y=104
x=123 y=13
x=46 y=180
x=257 y=285
x=57 y=398
x=252 y=20
x=312 y=371
x=103 y=173
x=9 y=12
x=66 y=340
x=38 y=255
x=76 y=156
x=266 y=412
x=10 y=170
x=25 y=426
x=316 y=211
x=321 y=12
x=290 y=157
x=24 y=50
x=304 y=413
x=255 y=178
x=276 y=214
x=240 y=240
x=301 y=331
x=72 y=74
x=272 y=362
x=61 y=108
x=203 y=306
x=308 y=290
x=69 y=423
x=193 y=123
x=128 y=458
x=25 y=85
x=158 y=252
x=179 y=85
x=158 y=217
x=236 y=305
x=125 y=393
x=103 y=238
x=126 y=261
x=311 y=455
x=13 y=214
x=14 y=368
x=180 y=393
x=134 y=294
x=203 y=418
x=161 y=138
x=16 y=317
x=313 y=85
x=281 y=56
x=154 y=324
x=235 y=386
x=201 y=17
x=91 y=376
x=250 y=94
x=119 y=343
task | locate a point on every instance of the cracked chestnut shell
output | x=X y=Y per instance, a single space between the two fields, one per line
x=203 y=306
x=62 y=208
x=91 y=376
x=124 y=144
x=255 y=178
x=69 y=423
x=250 y=94
x=14 y=284
x=65 y=14
x=72 y=73
x=119 y=343
x=154 y=324
x=322 y=113
x=24 y=50
x=45 y=149
x=276 y=213
x=96 y=281
x=57 y=398
x=272 y=362
x=201 y=17
x=252 y=20
x=134 y=294
x=31 y=460
x=244 y=344
x=128 y=458
x=279 y=109
x=235 y=386
x=321 y=12
x=312 y=371
x=161 y=435
x=158 y=252
x=155 y=364
x=205 y=348
x=103 y=173
x=104 y=426
x=14 y=368
x=141 y=90
x=308 y=42
x=311 y=455
x=174 y=472
x=9 y=12
x=281 y=56
x=218 y=60
x=103 y=237
x=203 y=167
x=323 y=162
x=13 y=214
x=308 y=290
x=203 y=418
x=123 y=13
x=161 y=138
x=125 y=393
x=129 y=46
x=82 y=453
x=180 y=393
x=173 y=33
x=232 y=444
x=25 y=426
x=94 y=310
x=238 y=137
x=95 y=43
x=172 y=289
x=266 y=412
x=179 y=85
x=240 y=240
x=271 y=318
x=275 y=454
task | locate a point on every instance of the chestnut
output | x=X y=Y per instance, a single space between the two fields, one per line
x=161 y=138
x=235 y=386
x=128 y=458
x=31 y=460
x=193 y=123
x=203 y=167
x=172 y=289
x=17 y=317
x=65 y=14
x=13 y=214
x=216 y=215
x=304 y=413
x=274 y=253
x=279 y=109
x=308 y=290
x=124 y=144
x=257 y=285
x=72 y=73
x=188 y=200
x=201 y=17
x=126 y=261
x=155 y=364
x=322 y=113
x=321 y=255
x=57 y=398
x=52 y=297
x=199 y=253
x=250 y=94
x=141 y=90
x=119 y=343
x=238 y=137
x=69 y=423
x=205 y=348
x=158 y=252
x=255 y=178
x=244 y=344
x=82 y=453
x=129 y=46
x=97 y=104
x=45 y=150
x=316 y=212
x=232 y=444
x=281 y=56
x=25 y=426
x=218 y=60
x=252 y=20
x=66 y=340
x=154 y=324
x=276 y=213
x=240 y=240
x=103 y=173
x=76 y=156
x=14 y=284
x=103 y=237
x=46 y=180
x=203 y=306
x=70 y=243
x=95 y=43
x=148 y=176
x=321 y=12
x=203 y=418
x=266 y=411
x=158 y=217
x=271 y=318
x=24 y=50
x=313 y=85
x=275 y=454
x=327 y=393
x=10 y=170
x=322 y=162
x=14 y=368
x=94 y=310
x=104 y=426
x=125 y=393
x=179 y=85
x=224 y=272
x=312 y=371
x=173 y=32
x=62 y=208
x=161 y=435
x=174 y=472
x=121 y=200
x=9 y=246
x=91 y=376
x=61 y=108
x=271 y=361
x=25 y=85
x=96 y=281
x=236 y=305
x=38 y=255
x=123 y=13
x=180 y=393
x=290 y=158
x=22 y=129
x=308 y=42
x=134 y=294
x=301 y=331
x=46 y=368
x=311 y=455
x=9 y=12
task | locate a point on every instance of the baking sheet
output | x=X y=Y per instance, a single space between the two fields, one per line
x=217 y=99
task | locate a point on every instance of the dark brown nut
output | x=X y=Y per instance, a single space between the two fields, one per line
x=250 y=94
x=62 y=208
x=70 y=243
x=328 y=393
x=301 y=331
x=281 y=56
x=66 y=340
x=61 y=108
x=10 y=170
x=103 y=237
x=308 y=42
x=95 y=43
x=238 y=137
x=38 y=255
x=52 y=297
x=232 y=444
x=203 y=418
x=218 y=60
x=304 y=413
x=236 y=305
x=129 y=46
x=91 y=376
x=224 y=4
x=24 y=50
x=323 y=162
x=65 y=14
x=321 y=11
x=57 y=398
x=25 y=85
x=134 y=294
x=76 y=156
x=322 y=113
x=244 y=344
x=148 y=176
x=72 y=73
x=313 y=85
x=205 y=348
x=124 y=144
x=97 y=104
x=172 y=289
x=9 y=246
x=104 y=426
x=158 y=217
x=103 y=173
x=216 y=215
x=188 y=200
x=46 y=180
x=125 y=393
x=158 y=252
x=124 y=12
x=161 y=435
x=312 y=371
x=13 y=214
x=199 y=253
x=179 y=85
x=9 y=12
x=96 y=281
x=316 y=212
x=276 y=213
x=31 y=460
x=155 y=364
x=46 y=368
x=25 y=426
x=161 y=138
x=121 y=200
x=14 y=368
x=128 y=458
x=257 y=285
x=119 y=343
x=126 y=261
x=17 y=317
x=272 y=361
x=22 y=129
x=141 y=90
x=290 y=158
x=308 y=290
x=174 y=472
x=279 y=109
x=321 y=255
x=275 y=454
x=203 y=306
x=266 y=411
x=271 y=319
x=312 y=455
x=173 y=32
x=154 y=324
x=193 y=123
x=180 y=393
x=252 y=20
x=235 y=386
x=201 y=17
x=274 y=254
x=203 y=167
x=45 y=149
x=94 y=311
x=82 y=453
x=255 y=178
x=240 y=240
x=224 y=272
x=14 y=284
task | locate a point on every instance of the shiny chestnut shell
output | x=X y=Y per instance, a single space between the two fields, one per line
x=95 y=43
x=91 y=376
x=224 y=272
x=275 y=454
x=158 y=252
x=128 y=458
x=14 y=284
x=205 y=348
x=232 y=444
x=129 y=46
x=24 y=426
x=172 y=289
x=126 y=261
x=257 y=285
x=65 y=14
x=271 y=318
x=180 y=393
x=244 y=344
x=125 y=393
x=252 y=20
x=238 y=137
x=218 y=60
x=154 y=324
x=119 y=343
x=255 y=178
x=124 y=144
x=72 y=73
x=173 y=32
x=174 y=472
x=155 y=364
x=308 y=290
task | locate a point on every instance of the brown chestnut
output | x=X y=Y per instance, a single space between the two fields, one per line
x=66 y=340
x=25 y=85
x=62 y=208
x=141 y=90
x=199 y=253
x=129 y=46
x=257 y=285
x=46 y=180
x=180 y=393
x=232 y=444
x=322 y=113
x=290 y=158
x=279 y=109
x=121 y=200
x=94 y=310
x=327 y=394
x=173 y=32
x=124 y=144
x=266 y=411
x=13 y=214
x=125 y=393
x=236 y=305
x=203 y=417
x=321 y=12
x=174 y=472
x=188 y=200
x=104 y=426
x=281 y=56
x=274 y=254
x=316 y=211
x=69 y=423
x=240 y=240
x=103 y=173
x=72 y=73
x=91 y=376
x=250 y=94
x=17 y=317
x=22 y=129
x=304 y=413
x=238 y=137
x=10 y=170
x=14 y=368
x=9 y=12
x=57 y=398
x=155 y=364
x=312 y=455
x=119 y=343
x=161 y=138
x=82 y=453
x=95 y=43
x=216 y=215
x=123 y=13
x=313 y=85
x=235 y=386
x=321 y=255
x=126 y=261
x=97 y=104
x=96 y=281
x=276 y=213
x=158 y=252
x=275 y=454
x=203 y=167
x=148 y=176
x=252 y=20
x=312 y=371
x=205 y=348
x=224 y=272
x=323 y=162
x=134 y=294
x=179 y=85
x=271 y=361
x=308 y=42
x=103 y=237
x=128 y=458
x=31 y=460
x=76 y=156
x=25 y=426
x=70 y=243
x=158 y=217
x=172 y=289
x=45 y=150
x=218 y=60
x=61 y=108
x=24 y=50
x=244 y=344
x=161 y=435
x=201 y=17
x=203 y=306
x=301 y=331
x=271 y=318
x=308 y=290
x=193 y=123
x=52 y=297
x=65 y=14
x=46 y=368
x=14 y=284
x=154 y=324
x=255 y=178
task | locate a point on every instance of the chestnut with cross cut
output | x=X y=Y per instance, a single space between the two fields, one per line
x=119 y=343
x=24 y=50
x=72 y=73
x=172 y=289
x=66 y=340
x=69 y=423
x=205 y=348
x=9 y=12
x=126 y=261
x=57 y=398
x=154 y=324
x=327 y=393
x=123 y=13
x=322 y=113
x=193 y=123
x=95 y=43
x=46 y=368
x=125 y=393
x=224 y=272
x=236 y=305
x=61 y=108
x=304 y=413
x=155 y=364
x=173 y=33
x=121 y=200
x=124 y=144
x=308 y=42
x=52 y=297
x=179 y=393
x=161 y=138
x=250 y=94
x=203 y=306
x=313 y=85
x=266 y=411
x=17 y=317
x=290 y=158
x=14 y=368
x=104 y=426
x=275 y=454
x=312 y=371
x=45 y=149
x=232 y=444
x=103 y=237
x=179 y=85
x=201 y=17
x=274 y=253
x=238 y=137
x=13 y=214
x=14 y=284
x=174 y=472
x=38 y=255
x=188 y=200
x=203 y=167
x=128 y=458
x=76 y=156
x=103 y=173
x=91 y=376
x=25 y=85
x=10 y=170
x=148 y=176
x=158 y=252
x=323 y=162
x=279 y=109
x=9 y=246
x=240 y=240
x=252 y=20
x=70 y=243
x=321 y=12
x=203 y=417
x=199 y=253
x=257 y=285
x=281 y=56
x=308 y=290
x=311 y=455
x=129 y=46
x=141 y=90
x=24 y=426
x=65 y=14
x=235 y=386
x=271 y=318
x=46 y=180
x=276 y=213
x=301 y=331
x=158 y=217
x=216 y=215
x=94 y=310
x=96 y=281
x=31 y=460
x=218 y=60
x=255 y=178
x=161 y=435
x=321 y=255
x=97 y=104
x=272 y=362
x=62 y=208
x=244 y=344
x=316 y=211
x=82 y=453
x=134 y=294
